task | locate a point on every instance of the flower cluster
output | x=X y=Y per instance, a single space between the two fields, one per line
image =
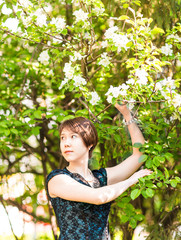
x=79 y=81
x=119 y=40
x=105 y=60
x=12 y=24
x=5 y=10
x=80 y=15
x=142 y=76
x=167 y=89
x=175 y=37
x=115 y=92
x=75 y=57
x=44 y=57
x=167 y=49
x=70 y=74
x=98 y=11
x=94 y=98
x=41 y=18
x=25 y=3
x=59 y=23
x=68 y=70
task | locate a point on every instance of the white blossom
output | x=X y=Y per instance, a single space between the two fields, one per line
x=48 y=8
x=95 y=98
x=41 y=18
x=131 y=103
x=113 y=92
x=59 y=23
x=120 y=41
x=75 y=57
x=27 y=20
x=1 y=2
x=109 y=99
x=158 y=86
x=5 y=10
x=168 y=83
x=130 y=81
x=12 y=24
x=123 y=89
x=44 y=57
x=68 y=70
x=175 y=37
x=79 y=81
x=28 y=103
x=65 y=81
x=105 y=60
x=104 y=44
x=110 y=32
x=167 y=49
x=98 y=11
x=80 y=15
x=176 y=100
x=124 y=86
x=142 y=76
x=25 y=3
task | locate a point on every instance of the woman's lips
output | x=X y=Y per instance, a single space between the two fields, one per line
x=68 y=151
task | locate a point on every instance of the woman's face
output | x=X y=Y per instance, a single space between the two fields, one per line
x=72 y=146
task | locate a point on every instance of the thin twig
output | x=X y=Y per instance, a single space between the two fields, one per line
x=104 y=110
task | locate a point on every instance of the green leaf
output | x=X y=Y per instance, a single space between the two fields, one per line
x=135 y=193
x=124 y=218
x=117 y=138
x=133 y=223
x=123 y=17
x=3 y=124
x=173 y=183
x=139 y=217
x=15 y=131
x=64 y=32
x=156 y=161
x=167 y=175
x=137 y=145
x=125 y=5
x=149 y=192
x=157 y=30
x=35 y=131
x=131 y=22
x=149 y=163
x=37 y=114
x=142 y=158
x=7 y=132
x=159 y=184
x=168 y=156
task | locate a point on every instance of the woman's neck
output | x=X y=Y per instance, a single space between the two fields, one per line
x=83 y=170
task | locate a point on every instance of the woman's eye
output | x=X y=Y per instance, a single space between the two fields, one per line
x=62 y=138
x=74 y=136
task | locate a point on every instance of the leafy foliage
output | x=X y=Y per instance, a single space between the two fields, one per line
x=63 y=59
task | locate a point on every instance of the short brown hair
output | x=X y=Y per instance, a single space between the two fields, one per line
x=85 y=128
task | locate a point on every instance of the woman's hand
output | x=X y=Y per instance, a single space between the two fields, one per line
x=124 y=110
x=141 y=173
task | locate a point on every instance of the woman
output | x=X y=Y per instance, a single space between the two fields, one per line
x=81 y=198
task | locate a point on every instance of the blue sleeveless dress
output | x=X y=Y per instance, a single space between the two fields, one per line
x=78 y=220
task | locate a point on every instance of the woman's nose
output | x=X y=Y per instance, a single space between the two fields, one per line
x=67 y=143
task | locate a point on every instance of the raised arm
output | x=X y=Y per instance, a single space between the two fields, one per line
x=125 y=169
x=67 y=188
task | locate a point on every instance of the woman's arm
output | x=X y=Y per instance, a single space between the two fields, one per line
x=125 y=169
x=67 y=188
